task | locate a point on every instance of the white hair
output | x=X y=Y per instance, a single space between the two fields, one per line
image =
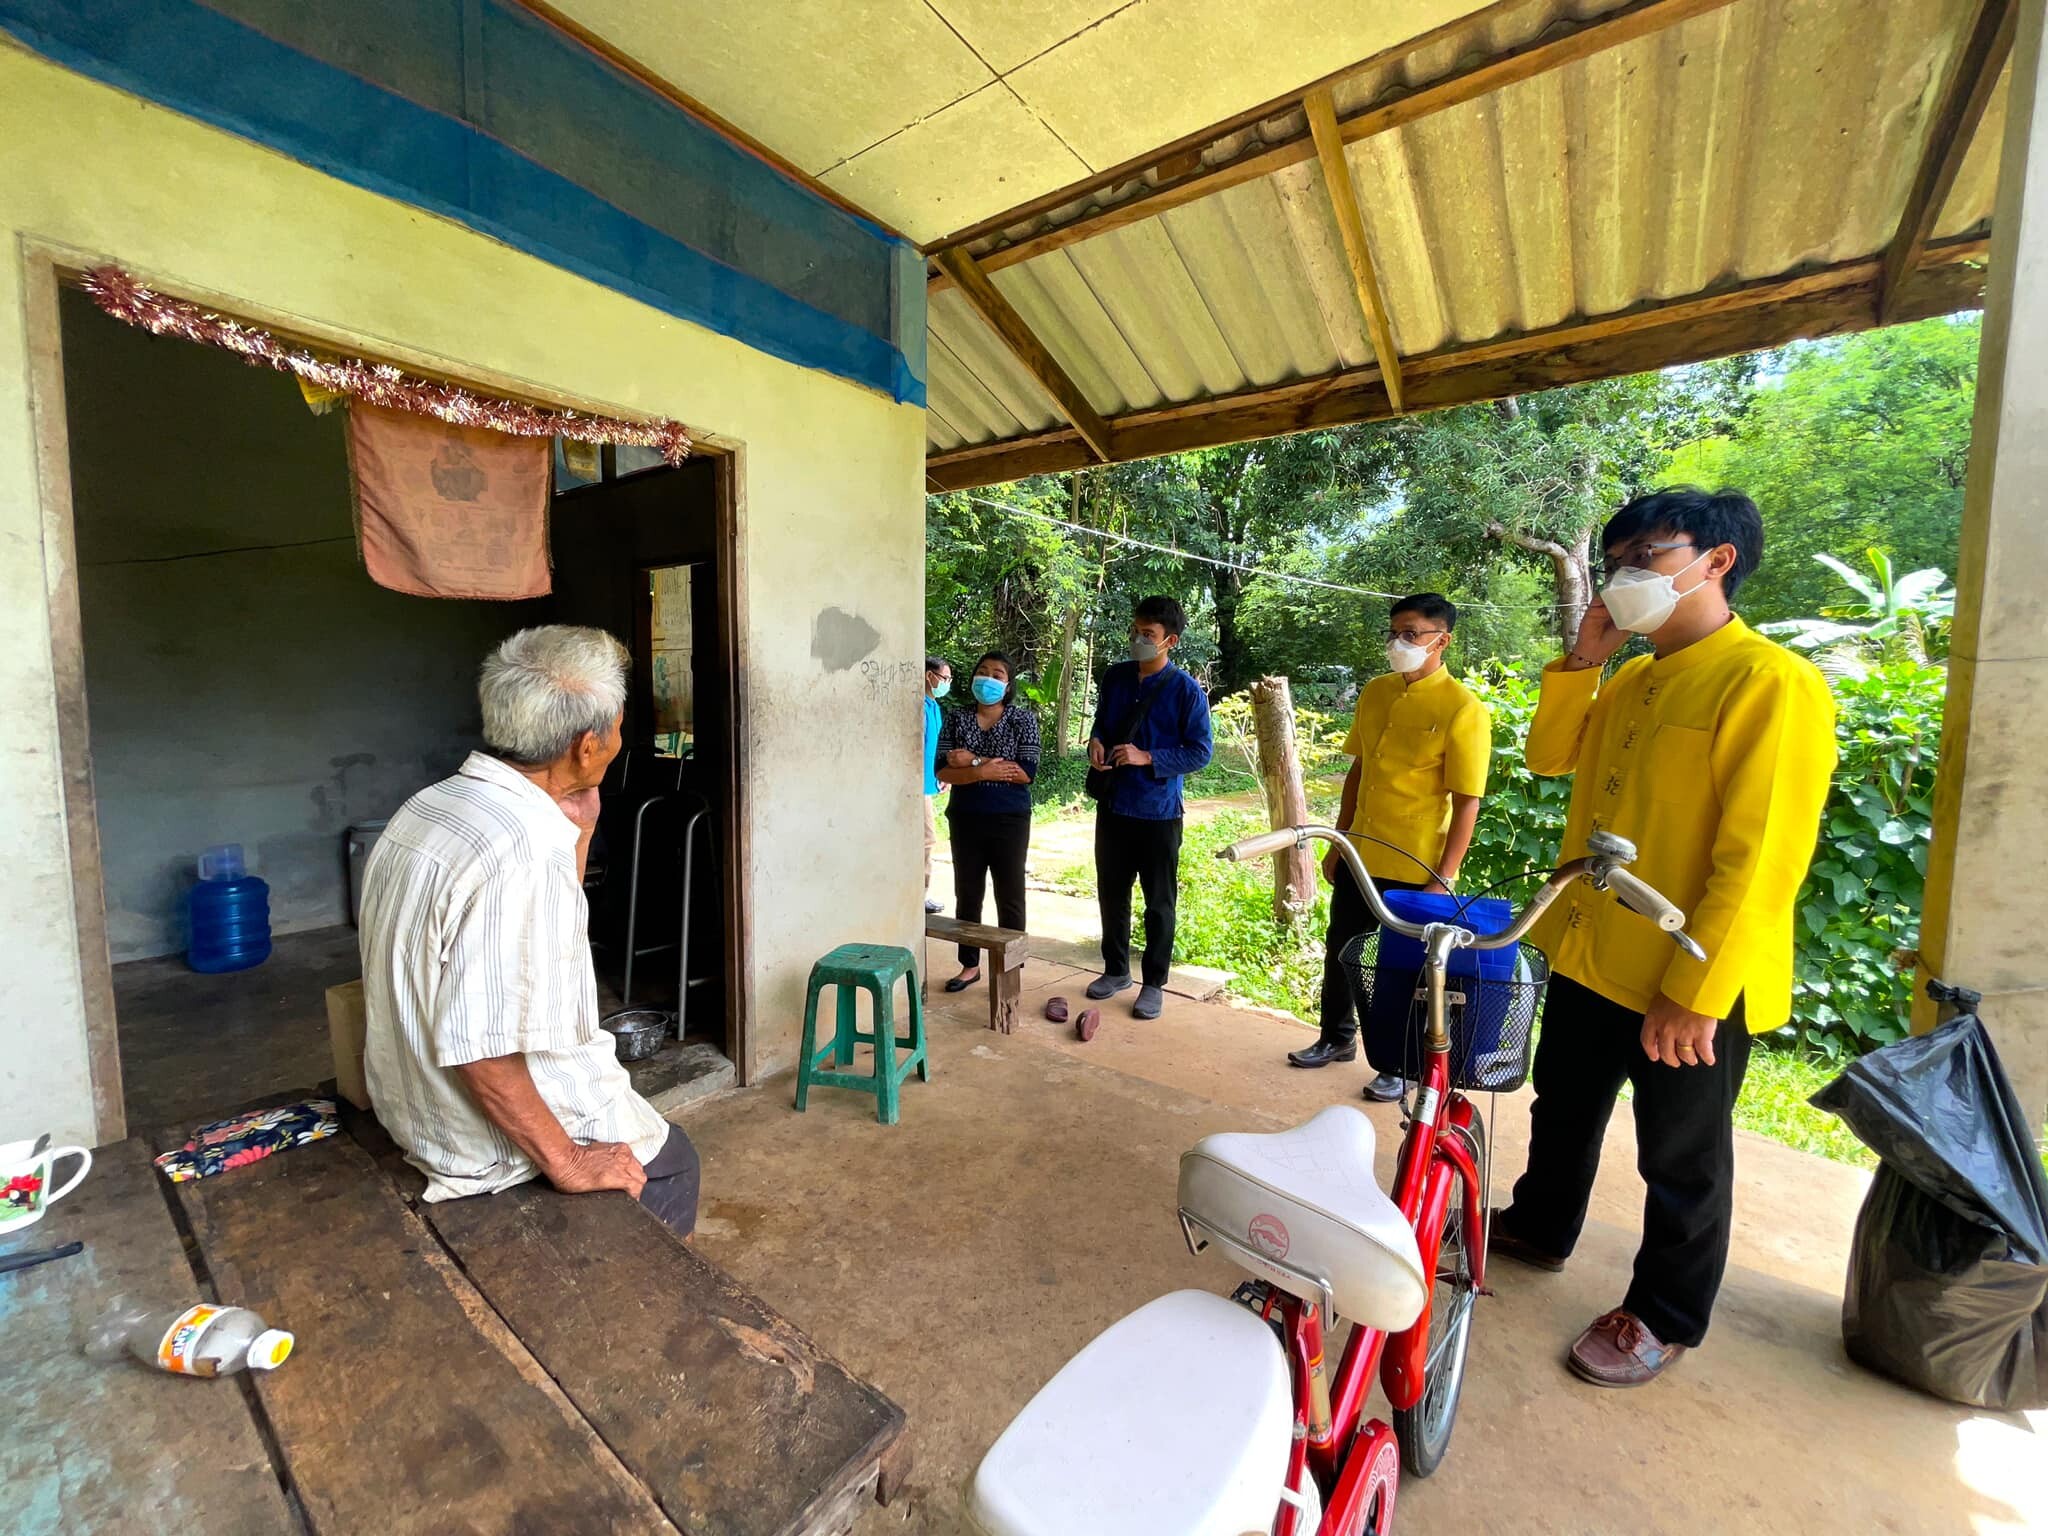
x=546 y=686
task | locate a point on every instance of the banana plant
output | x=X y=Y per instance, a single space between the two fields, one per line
x=1894 y=618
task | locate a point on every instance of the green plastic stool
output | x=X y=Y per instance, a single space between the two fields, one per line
x=873 y=968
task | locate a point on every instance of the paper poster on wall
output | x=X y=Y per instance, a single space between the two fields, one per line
x=444 y=511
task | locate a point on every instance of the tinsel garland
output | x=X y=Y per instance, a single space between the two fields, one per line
x=126 y=300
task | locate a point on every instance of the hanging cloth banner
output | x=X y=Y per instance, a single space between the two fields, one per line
x=382 y=384
x=447 y=511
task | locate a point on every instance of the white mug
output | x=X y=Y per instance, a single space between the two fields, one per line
x=25 y=1191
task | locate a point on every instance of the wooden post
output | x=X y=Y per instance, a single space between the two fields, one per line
x=1294 y=872
x=1064 y=717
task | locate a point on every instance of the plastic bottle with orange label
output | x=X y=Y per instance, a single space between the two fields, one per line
x=199 y=1340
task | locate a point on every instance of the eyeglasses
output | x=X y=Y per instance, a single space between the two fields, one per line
x=1637 y=555
x=1414 y=636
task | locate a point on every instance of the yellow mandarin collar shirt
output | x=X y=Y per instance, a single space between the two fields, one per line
x=1715 y=762
x=1417 y=744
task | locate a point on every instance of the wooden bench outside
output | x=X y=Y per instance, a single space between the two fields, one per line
x=1005 y=948
x=527 y=1361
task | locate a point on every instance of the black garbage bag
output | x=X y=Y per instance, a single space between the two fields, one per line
x=1948 y=1274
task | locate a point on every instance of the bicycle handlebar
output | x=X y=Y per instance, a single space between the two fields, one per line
x=1265 y=843
x=1645 y=899
x=1604 y=867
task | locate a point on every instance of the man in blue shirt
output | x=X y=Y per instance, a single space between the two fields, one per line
x=938 y=677
x=1151 y=728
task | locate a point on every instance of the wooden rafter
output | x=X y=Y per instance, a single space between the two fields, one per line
x=1184 y=174
x=1831 y=301
x=1955 y=127
x=1343 y=194
x=987 y=301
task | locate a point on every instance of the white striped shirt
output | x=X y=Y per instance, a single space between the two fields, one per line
x=476 y=945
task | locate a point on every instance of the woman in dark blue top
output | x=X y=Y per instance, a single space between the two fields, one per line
x=988 y=752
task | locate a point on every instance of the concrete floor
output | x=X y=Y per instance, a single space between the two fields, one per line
x=196 y=1046
x=1026 y=1201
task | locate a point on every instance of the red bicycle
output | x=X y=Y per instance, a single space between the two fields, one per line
x=1198 y=1415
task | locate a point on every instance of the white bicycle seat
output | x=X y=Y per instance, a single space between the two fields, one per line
x=1302 y=1208
x=1175 y=1421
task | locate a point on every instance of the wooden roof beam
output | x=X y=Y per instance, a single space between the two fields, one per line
x=1343 y=195
x=1955 y=128
x=987 y=301
x=1185 y=178
x=1829 y=302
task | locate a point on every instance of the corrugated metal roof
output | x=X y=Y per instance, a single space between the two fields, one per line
x=1760 y=139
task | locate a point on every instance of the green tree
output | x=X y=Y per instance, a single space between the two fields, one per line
x=1537 y=476
x=1853 y=443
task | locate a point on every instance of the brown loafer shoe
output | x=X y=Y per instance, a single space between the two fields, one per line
x=1504 y=1244
x=1618 y=1351
x=1056 y=1009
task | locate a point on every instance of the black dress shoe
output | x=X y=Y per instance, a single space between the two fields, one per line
x=961 y=983
x=1323 y=1052
x=1107 y=986
x=1387 y=1088
x=1508 y=1246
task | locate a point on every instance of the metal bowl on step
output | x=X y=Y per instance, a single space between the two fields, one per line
x=637 y=1033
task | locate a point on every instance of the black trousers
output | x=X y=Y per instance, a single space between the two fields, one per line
x=1349 y=917
x=989 y=849
x=672 y=1184
x=1685 y=1151
x=1130 y=848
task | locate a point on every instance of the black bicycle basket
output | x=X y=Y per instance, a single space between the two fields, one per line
x=1491 y=1017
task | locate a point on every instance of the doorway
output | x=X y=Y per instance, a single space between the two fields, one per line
x=247 y=683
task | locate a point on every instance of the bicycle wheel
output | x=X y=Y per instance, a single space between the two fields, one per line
x=1425 y=1430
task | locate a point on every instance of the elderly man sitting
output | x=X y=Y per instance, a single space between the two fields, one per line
x=483 y=1053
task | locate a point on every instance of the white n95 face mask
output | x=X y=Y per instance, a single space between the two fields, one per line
x=1640 y=601
x=1403 y=657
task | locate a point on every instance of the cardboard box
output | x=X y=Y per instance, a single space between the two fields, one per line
x=346 y=1025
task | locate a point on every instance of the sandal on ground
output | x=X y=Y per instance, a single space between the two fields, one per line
x=1086 y=1025
x=1056 y=1009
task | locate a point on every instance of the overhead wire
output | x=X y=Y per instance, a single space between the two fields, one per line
x=1232 y=565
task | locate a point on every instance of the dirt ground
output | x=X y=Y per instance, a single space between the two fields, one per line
x=1026 y=1201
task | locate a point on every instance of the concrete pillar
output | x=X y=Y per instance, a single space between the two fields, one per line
x=1986 y=916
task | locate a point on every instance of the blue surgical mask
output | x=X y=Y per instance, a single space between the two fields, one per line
x=990 y=690
x=941 y=688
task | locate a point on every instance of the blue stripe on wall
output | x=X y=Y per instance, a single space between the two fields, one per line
x=198 y=62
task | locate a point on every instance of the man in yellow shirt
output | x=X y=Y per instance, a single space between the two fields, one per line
x=1713 y=757
x=1420 y=740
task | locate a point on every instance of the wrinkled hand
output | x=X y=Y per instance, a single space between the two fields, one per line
x=1678 y=1037
x=1332 y=859
x=1128 y=756
x=1599 y=636
x=1097 y=757
x=959 y=757
x=581 y=807
x=1436 y=888
x=592 y=1166
x=1001 y=770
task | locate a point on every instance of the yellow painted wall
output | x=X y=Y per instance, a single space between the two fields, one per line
x=832 y=518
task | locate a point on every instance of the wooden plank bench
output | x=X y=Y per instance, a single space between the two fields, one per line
x=118 y=1448
x=407 y=1406
x=1005 y=948
x=517 y=1363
